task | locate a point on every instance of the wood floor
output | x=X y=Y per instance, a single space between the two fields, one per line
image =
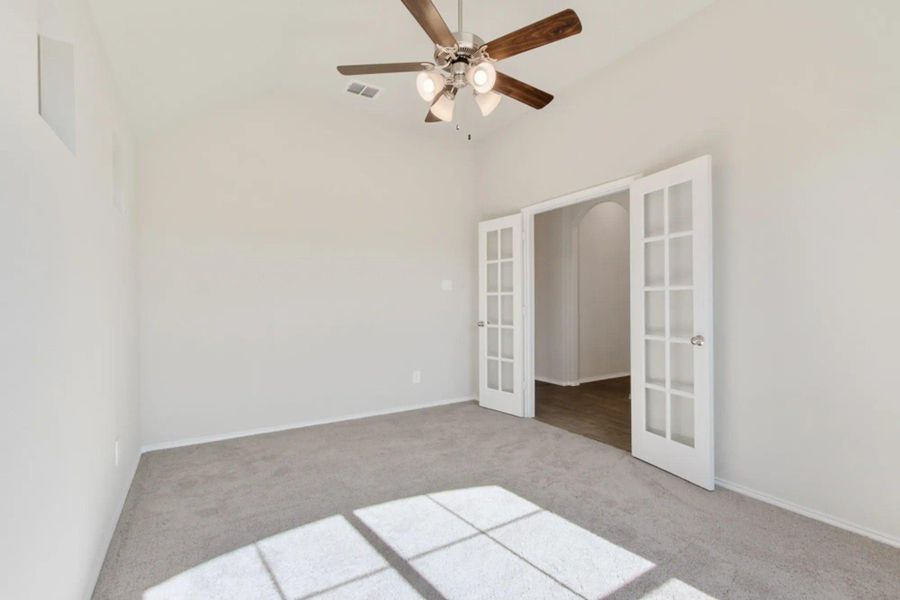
x=599 y=410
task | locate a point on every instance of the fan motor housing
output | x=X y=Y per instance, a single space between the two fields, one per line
x=467 y=45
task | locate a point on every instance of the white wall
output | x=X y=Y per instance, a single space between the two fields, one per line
x=799 y=105
x=291 y=265
x=555 y=298
x=603 y=293
x=68 y=317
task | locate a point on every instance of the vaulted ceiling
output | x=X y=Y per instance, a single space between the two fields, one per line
x=174 y=59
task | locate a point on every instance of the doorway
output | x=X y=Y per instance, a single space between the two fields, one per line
x=671 y=310
x=582 y=319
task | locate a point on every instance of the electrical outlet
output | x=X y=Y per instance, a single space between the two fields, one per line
x=417 y=376
x=447 y=285
x=116 y=451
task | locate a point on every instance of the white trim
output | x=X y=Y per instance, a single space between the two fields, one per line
x=577 y=382
x=205 y=439
x=558 y=382
x=884 y=538
x=604 y=377
x=529 y=212
x=591 y=193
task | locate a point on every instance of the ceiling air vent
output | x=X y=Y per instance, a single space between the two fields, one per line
x=360 y=89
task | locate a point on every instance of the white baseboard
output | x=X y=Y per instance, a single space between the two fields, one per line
x=204 y=439
x=603 y=377
x=811 y=513
x=583 y=380
x=552 y=381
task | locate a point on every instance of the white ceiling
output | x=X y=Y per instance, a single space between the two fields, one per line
x=176 y=58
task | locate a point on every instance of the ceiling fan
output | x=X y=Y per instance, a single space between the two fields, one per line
x=462 y=59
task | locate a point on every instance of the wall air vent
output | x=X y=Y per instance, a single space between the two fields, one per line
x=361 y=89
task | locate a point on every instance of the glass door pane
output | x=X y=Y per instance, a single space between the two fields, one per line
x=681 y=314
x=506 y=244
x=493 y=374
x=493 y=342
x=680 y=208
x=492 y=246
x=681 y=367
x=669 y=313
x=655 y=313
x=655 y=264
x=500 y=315
x=500 y=319
x=506 y=304
x=681 y=261
x=493 y=310
x=682 y=419
x=654 y=214
x=655 y=414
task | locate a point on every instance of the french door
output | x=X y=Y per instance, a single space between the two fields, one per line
x=671 y=321
x=500 y=315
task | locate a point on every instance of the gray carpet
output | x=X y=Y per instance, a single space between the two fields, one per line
x=211 y=514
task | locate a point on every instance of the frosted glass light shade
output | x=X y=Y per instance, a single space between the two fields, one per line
x=429 y=84
x=487 y=102
x=443 y=108
x=482 y=77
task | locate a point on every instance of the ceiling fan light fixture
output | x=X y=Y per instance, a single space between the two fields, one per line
x=443 y=108
x=429 y=84
x=487 y=102
x=464 y=59
x=482 y=77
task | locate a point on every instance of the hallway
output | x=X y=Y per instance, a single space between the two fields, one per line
x=599 y=410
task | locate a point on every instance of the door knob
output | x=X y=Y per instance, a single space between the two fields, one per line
x=698 y=340
x=480 y=323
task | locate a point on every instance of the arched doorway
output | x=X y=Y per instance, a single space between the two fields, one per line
x=582 y=319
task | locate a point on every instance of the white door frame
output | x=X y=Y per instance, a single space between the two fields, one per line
x=529 y=212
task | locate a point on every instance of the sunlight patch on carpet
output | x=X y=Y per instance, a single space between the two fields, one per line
x=413 y=526
x=675 y=589
x=481 y=542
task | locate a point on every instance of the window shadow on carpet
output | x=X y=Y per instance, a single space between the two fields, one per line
x=481 y=542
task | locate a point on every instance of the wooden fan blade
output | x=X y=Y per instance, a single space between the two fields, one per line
x=407 y=67
x=546 y=31
x=431 y=21
x=521 y=91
